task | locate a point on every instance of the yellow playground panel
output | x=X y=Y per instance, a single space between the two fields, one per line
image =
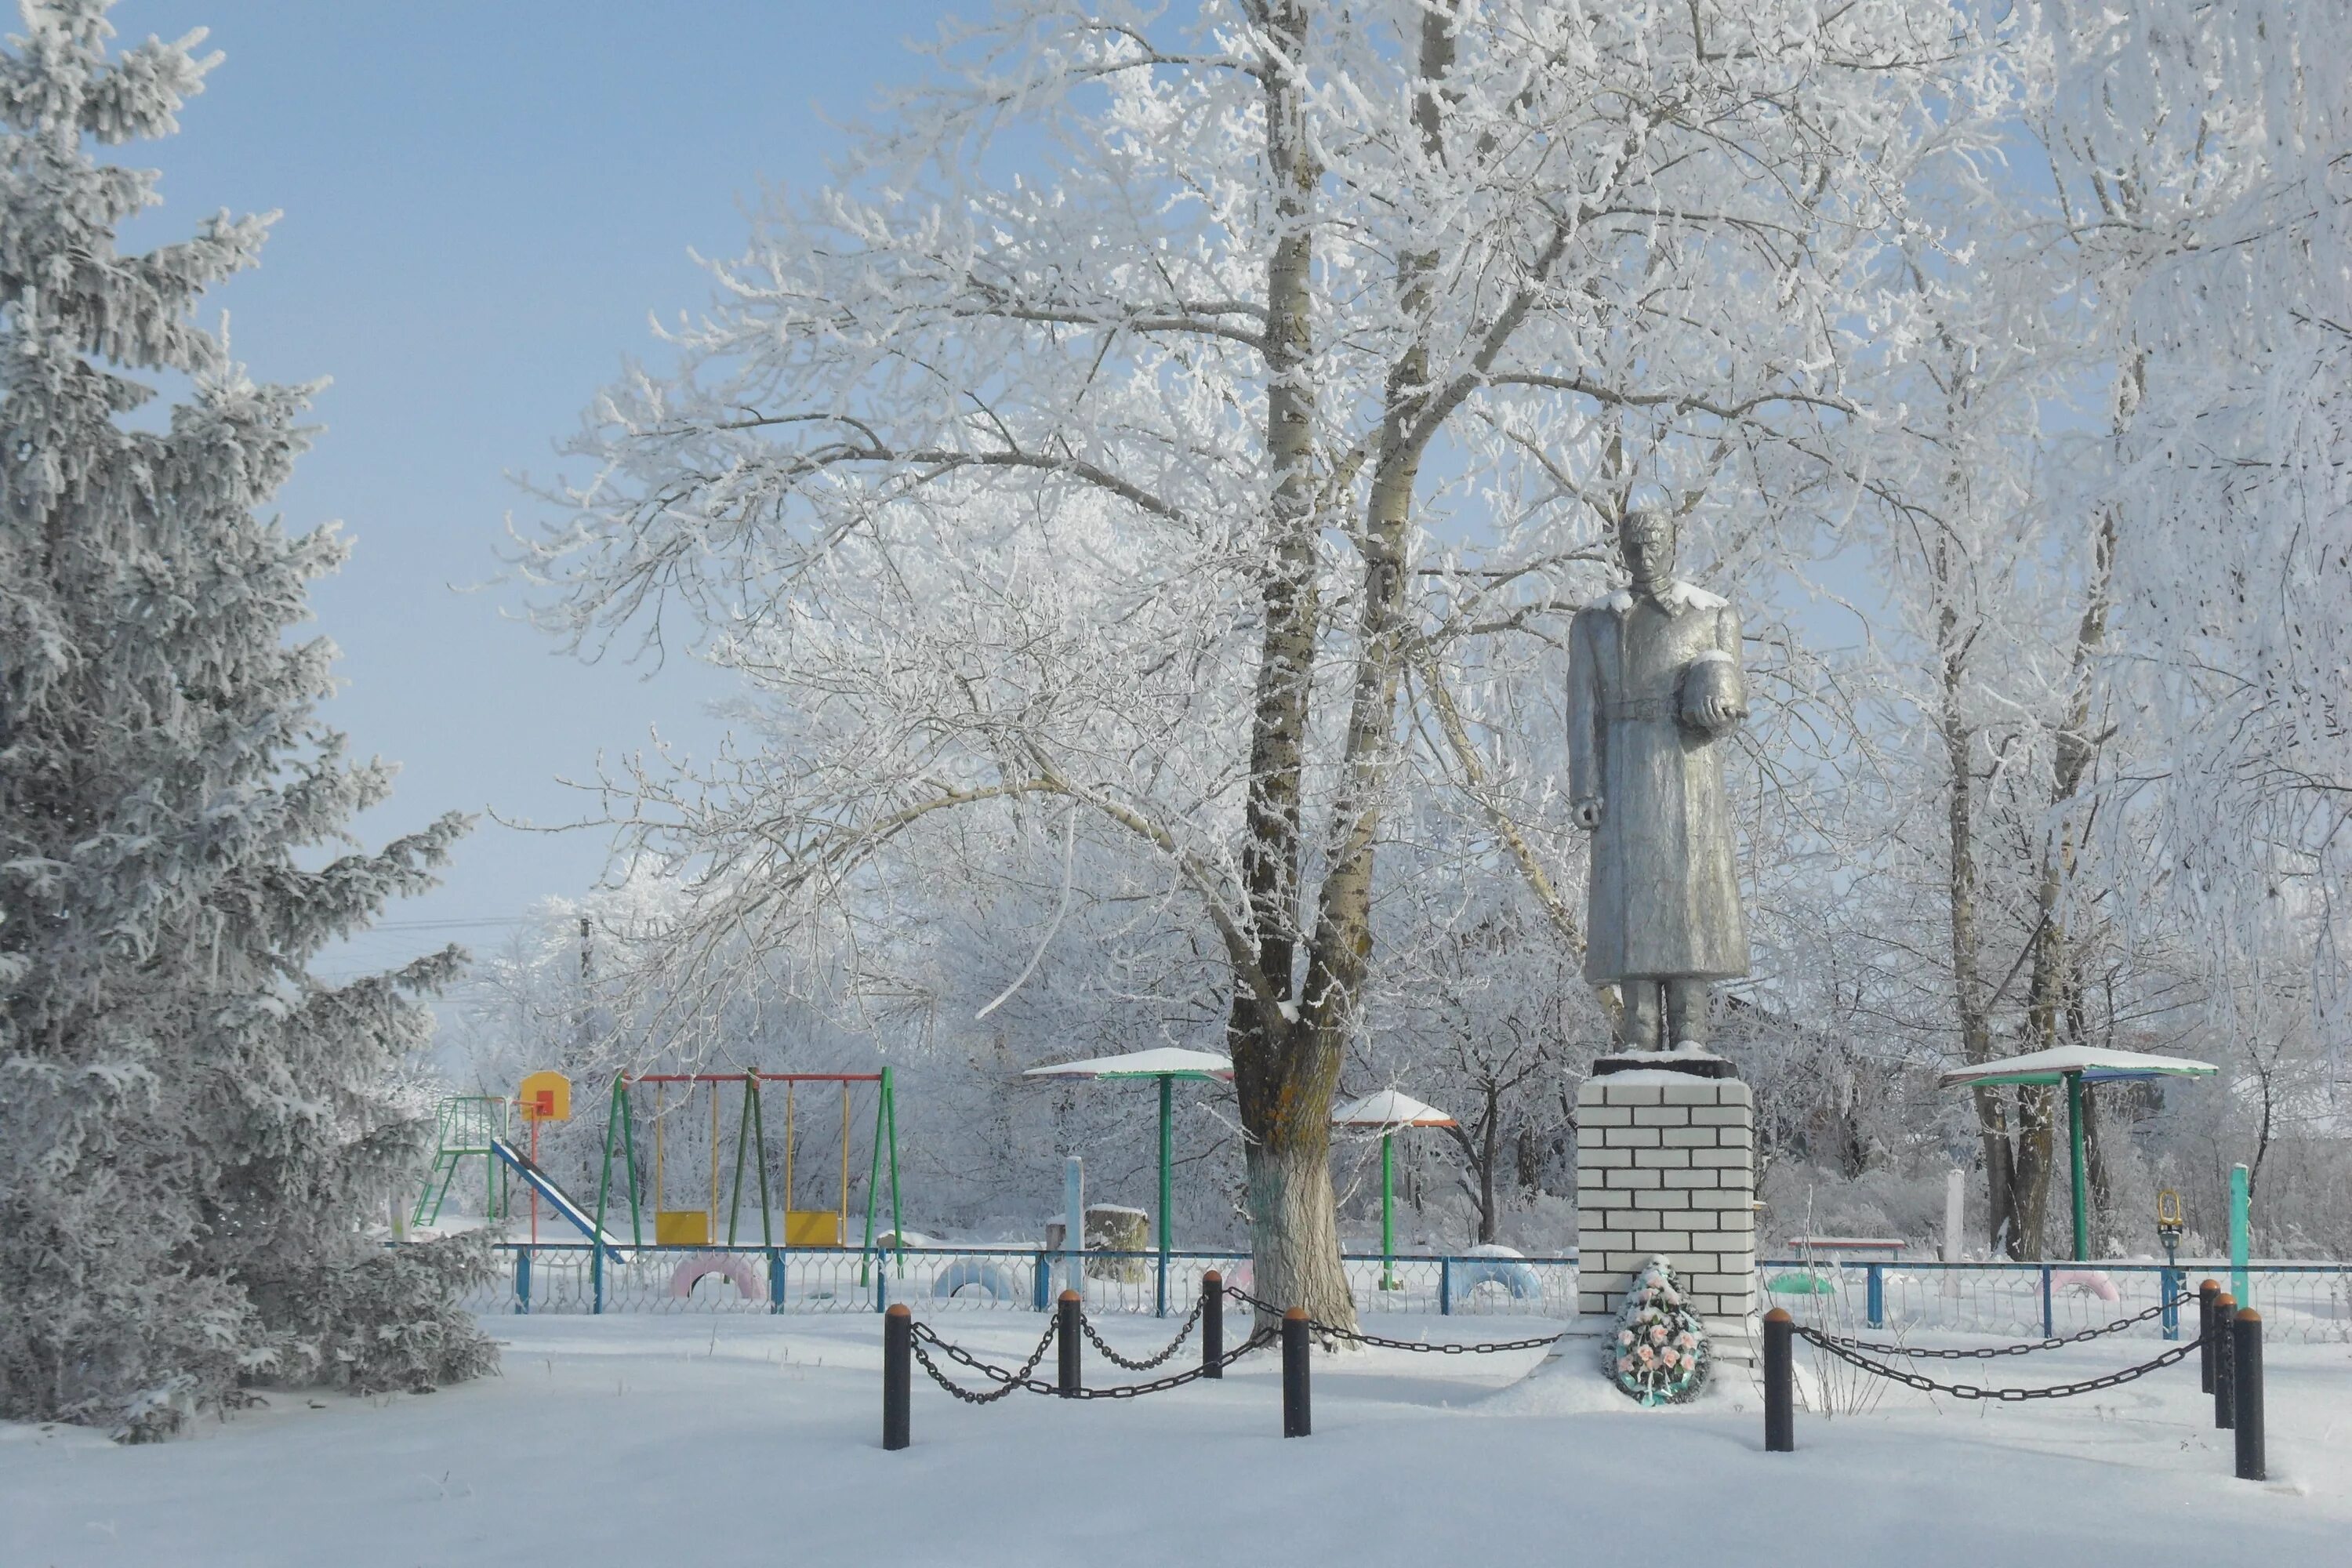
x=812 y=1227
x=681 y=1227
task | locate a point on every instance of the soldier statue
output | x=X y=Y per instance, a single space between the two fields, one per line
x=1654 y=691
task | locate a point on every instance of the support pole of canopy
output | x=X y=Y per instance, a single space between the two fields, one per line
x=1167 y=1135
x=2240 y=1203
x=1388 y=1211
x=2074 y=1142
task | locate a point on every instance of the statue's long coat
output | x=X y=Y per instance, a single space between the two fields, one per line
x=1665 y=896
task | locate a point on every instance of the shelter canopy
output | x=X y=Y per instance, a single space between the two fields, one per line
x=1390 y=1107
x=2095 y=1064
x=1163 y=1061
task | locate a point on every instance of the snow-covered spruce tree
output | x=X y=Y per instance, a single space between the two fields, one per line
x=194 y=1134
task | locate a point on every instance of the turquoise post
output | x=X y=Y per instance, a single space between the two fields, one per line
x=898 y=1219
x=1388 y=1211
x=2082 y=1184
x=1166 y=1137
x=2240 y=1198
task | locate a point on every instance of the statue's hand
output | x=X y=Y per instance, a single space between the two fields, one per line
x=1587 y=813
x=1721 y=713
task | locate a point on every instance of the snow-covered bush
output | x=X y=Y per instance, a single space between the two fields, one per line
x=1659 y=1354
x=195 y=1135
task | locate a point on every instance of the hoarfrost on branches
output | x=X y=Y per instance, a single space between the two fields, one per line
x=196 y=1137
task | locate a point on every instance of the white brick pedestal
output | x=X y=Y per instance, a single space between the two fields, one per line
x=1666 y=1168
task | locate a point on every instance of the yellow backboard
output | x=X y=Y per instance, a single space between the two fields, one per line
x=546 y=1095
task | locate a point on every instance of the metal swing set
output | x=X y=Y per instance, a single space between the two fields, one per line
x=696 y=1228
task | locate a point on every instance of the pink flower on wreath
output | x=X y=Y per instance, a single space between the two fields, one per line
x=1658 y=1335
x=1646 y=1356
x=1624 y=1336
x=1669 y=1357
x=1625 y=1364
x=1686 y=1341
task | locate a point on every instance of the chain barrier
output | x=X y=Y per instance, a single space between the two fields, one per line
x=1421 y=1347
x=1173 y=1380
x=2004 y=1396
x=1115 y=1359
x=1006 y=1381
x=1023 y=1378
x=1990 y=1352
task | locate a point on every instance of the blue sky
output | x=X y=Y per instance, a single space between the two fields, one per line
x=482 y=205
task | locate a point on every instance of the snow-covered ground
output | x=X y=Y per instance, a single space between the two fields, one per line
x=652 y=1441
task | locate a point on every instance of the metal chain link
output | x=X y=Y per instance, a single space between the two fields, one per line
x=1990 y=1352
x=1421 y=1346
x=2005 y=1396
x=1115 y=1359
x=1006 y=1381
x=1009 y=1381
x=1173 y=1380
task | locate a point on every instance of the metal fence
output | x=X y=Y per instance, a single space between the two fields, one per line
x=566 y=1277
x=2309 y=1303
x=2299 y=1302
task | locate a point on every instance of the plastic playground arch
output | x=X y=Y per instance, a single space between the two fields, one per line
x=981 y=1273
x=1492 y=1265
x=729 y=1267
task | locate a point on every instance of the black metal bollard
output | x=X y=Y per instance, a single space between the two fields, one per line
x=1779 y=1382
x=1066 y=1352
x=2206 y=1292
x=898 y=1374
x=2225 y=1377
x=2246 y=1371
x=1296 y=1420
x=1213 y=1324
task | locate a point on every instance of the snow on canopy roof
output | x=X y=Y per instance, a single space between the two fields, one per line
x=1163 y=1061
x=1390 y=1109
x=2097 y=1065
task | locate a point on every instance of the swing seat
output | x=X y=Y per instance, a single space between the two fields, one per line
x=682 y=1227
x=812 y=1227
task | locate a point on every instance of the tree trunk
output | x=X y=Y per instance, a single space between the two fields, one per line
x=1285 y=1071
x=1489 y=1138
x=2037 y=1147
x=1967 y=976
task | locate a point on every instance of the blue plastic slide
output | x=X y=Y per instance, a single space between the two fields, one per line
x=544 y=1185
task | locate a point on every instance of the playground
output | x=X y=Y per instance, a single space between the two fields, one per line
x=663 y=1438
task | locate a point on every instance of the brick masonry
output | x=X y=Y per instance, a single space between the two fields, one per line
x=1665 y=1167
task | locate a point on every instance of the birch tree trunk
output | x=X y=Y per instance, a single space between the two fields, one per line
x=1286 y=1068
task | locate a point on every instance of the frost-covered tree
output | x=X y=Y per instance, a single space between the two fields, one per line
x=1161 y=487
x=195 y=1135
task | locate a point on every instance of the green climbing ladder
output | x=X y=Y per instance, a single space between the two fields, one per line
x=465 y=1125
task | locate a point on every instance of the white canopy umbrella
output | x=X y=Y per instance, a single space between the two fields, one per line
x=1160 y=1062
x=2075 y=1065
x=1388 y=1111
x=1390 y=1107
x=2095 y=1065
x=1166 y=1063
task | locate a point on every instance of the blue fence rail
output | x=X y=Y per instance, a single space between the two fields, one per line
x=2301 y=1301
x=567 y=1277
x=2305 y=1301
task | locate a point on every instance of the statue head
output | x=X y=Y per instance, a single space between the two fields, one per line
x=1645 y=539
